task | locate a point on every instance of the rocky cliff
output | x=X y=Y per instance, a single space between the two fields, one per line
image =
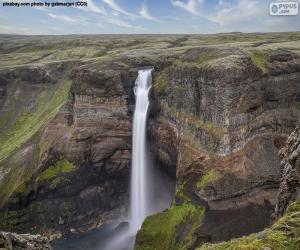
x=13 y=241
x=71 y=170
x=290 y=174
x=221 y=108
x=228 y=113
x=285 y=232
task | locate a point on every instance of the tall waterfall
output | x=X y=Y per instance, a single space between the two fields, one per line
x=139 y=188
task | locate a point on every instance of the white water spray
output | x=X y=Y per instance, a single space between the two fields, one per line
x=139 y=188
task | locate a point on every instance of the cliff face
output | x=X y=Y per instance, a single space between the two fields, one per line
x=228 y=113
x=74 y=171
x=285 y=232
x=290 y=173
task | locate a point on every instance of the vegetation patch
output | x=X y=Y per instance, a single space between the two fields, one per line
x=160 y=83
x=54 y=173
x=197 y=123
x=209 y=177
x=23 y=189
x=30 y=122
x=159 y=231
x=206 y=56
x=284 y=234
x=194 y=223
x=259 y=59
x=180 y=193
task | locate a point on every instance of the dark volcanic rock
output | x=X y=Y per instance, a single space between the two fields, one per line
x=89 y=141
x=289 y=189
x=13 y=241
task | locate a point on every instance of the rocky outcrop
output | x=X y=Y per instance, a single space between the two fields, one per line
x=290 y=173
x=285 y=231
x=13 y=241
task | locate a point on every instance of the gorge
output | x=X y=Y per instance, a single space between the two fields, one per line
x=220 y=109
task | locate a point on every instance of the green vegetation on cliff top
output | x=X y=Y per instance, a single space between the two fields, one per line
x=258 y=57
x=30 y=122
x=283 y=235
x=206 y=56
x=159 y=231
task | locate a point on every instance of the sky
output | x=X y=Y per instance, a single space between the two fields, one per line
x=145 y=17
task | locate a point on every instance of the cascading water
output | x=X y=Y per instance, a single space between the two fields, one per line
x=139 y=188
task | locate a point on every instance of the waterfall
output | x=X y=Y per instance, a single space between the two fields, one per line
x=139 y=189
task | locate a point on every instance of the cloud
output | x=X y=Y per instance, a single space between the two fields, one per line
x=9 y=29
x=191 y=6
x=113 y=17
x=94 y=8
x=114 y=6
x=64 y=18
x=12 y=29
x=242 y=11
x=144 y=12
x=123 y=24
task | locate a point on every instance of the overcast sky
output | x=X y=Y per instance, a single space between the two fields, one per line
x=142 y=16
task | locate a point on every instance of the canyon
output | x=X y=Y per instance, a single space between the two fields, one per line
x=221 y=109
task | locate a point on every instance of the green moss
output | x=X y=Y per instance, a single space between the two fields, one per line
x=9 y=219
x=160 y=83
x=30 y=122
x=21 y=168
x=259 y=59
x=210 y=127
x=194 y=223
x=23 y=189
x=180 y=193
x=284 y=234
x=159 y=231
x=209 y=177
x=53 y=174
x=198 y=123
x=206 y=56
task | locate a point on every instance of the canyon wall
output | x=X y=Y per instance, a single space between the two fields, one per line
x=73 y=172
x=227 y=114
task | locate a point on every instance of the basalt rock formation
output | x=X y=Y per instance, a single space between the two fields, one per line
x=228 y=114
x=73 y=172
x=290 y=173
x=285 y=232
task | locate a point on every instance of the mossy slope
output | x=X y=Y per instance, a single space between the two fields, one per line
x=258 y=57
x=22 y=130
x=160 y=231
x=53 y=174
x=30 y=122
x=209 y=177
